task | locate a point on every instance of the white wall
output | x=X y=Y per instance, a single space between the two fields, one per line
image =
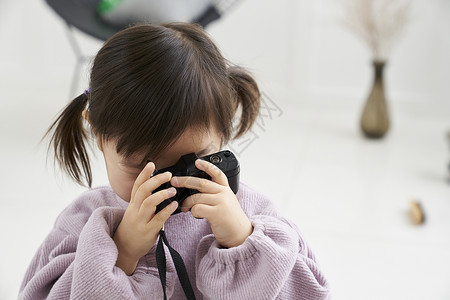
x=302 y=48
x=293 y=46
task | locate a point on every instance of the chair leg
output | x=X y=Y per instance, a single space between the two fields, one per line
x=75 y=80
x=80 y=59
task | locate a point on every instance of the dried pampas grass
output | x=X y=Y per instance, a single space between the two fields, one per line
x=377 y=22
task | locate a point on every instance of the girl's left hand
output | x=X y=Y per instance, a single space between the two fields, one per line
x=217 y=203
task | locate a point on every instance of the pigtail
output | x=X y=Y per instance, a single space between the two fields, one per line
x=68 y=137
x=247 y=96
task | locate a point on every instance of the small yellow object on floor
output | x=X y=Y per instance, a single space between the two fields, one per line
x=416 y=212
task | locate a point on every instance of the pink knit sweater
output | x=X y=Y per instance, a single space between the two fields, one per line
x=77 y=259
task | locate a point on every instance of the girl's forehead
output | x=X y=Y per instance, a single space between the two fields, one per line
x=200 y=142
x=193 y=141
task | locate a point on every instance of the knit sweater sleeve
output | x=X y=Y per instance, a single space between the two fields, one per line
x=273 y=263
x=71 y=266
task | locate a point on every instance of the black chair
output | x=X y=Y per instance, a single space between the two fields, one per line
x=82 y=15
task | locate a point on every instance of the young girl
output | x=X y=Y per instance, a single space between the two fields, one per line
x=158 y=92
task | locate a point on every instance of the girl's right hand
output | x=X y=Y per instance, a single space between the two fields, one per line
x=140 y=226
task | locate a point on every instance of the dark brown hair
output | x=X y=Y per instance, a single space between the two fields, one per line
x=149 y=83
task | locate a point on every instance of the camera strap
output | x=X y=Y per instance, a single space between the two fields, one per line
x=179 y=266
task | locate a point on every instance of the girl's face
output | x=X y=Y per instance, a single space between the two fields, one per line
x=122 y=172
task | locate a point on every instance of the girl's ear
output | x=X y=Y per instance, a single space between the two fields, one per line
x=85 y=115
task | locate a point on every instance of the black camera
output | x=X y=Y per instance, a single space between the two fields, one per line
x=224 y=160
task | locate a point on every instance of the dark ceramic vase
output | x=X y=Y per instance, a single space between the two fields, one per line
x=375 y=116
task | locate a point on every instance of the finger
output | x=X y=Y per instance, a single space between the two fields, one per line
x=142 y=177
x=212 y=170
x=157 y=222
x=147 y=188
x=200 y=184
x=203 y=211
x=148 y=207
x=199 y=198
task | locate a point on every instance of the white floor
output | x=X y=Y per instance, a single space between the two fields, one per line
x=350 y=196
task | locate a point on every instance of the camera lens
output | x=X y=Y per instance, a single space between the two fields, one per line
x=215 y=159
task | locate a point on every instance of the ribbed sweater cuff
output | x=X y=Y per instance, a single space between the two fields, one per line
x=258 y=240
